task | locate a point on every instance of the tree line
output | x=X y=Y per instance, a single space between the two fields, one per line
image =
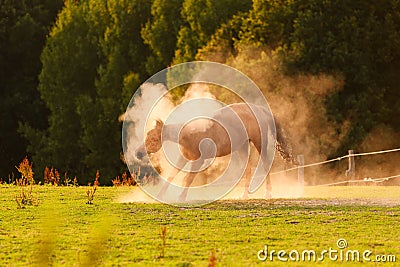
x=70 y=68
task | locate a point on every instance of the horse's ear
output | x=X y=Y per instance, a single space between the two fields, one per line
x=159 y=123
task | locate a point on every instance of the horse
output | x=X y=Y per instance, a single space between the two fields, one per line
x=227 y=136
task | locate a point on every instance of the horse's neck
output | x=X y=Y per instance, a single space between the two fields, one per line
x=171 y=132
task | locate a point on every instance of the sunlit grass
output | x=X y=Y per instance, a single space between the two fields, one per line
x=65 y=231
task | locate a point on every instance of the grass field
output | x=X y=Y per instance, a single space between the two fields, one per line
x=62 y=230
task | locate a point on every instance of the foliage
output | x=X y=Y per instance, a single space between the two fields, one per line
x=201 y=20
x=101 y=40
x=98 y=52
x=161 y=247
x=90 y=194
x=212 y=260
x=358 y=40
x=68 y=71
x=24 y=26
x=123 y=52
x=51 y=176
x=223 y=44
x=268 y=23
x=361 y=39
x=25 y=198
x=25 y=169
x=160 y=33
x=91 y=191
x=125 y=180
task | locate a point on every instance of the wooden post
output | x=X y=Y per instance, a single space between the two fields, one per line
x=351 y=171
x=300 y=173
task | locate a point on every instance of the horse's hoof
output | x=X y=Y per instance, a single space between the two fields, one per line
x=268 y=196
x=182 y=199
x=160 y=194
x=245 y=196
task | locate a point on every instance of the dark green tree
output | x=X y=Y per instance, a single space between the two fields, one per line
x=123 y=57
x=161 y=31
x=23 y=29
x=359 y=39
x=201 y=20
x=269 y=22
x=92 y=60
x=69 y=59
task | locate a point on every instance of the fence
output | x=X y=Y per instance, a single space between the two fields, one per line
x=350 y=172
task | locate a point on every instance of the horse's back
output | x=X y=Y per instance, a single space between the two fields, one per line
x=253 y=117
x=249 y=114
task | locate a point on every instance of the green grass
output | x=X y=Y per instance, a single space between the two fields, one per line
x=64 y=231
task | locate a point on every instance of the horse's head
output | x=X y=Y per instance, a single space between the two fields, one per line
x=152 y=142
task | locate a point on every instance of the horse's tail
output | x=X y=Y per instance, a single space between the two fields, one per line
x=283 y=144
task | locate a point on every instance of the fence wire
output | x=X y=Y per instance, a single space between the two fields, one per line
x=376 y=180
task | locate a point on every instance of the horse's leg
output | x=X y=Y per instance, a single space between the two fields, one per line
x=268 y=187
x=244 y=157
x=189 y=178
x=247 y=177
x=179 y=166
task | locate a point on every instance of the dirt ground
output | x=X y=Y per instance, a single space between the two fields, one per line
x=387 y=196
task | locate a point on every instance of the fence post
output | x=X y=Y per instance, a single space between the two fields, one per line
x=300 y=173
x=351 y=171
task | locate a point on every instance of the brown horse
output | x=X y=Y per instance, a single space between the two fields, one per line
x=229 y=130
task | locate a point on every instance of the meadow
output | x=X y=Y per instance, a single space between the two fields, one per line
x=61 y=229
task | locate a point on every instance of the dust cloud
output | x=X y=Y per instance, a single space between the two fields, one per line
x=298 y=102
